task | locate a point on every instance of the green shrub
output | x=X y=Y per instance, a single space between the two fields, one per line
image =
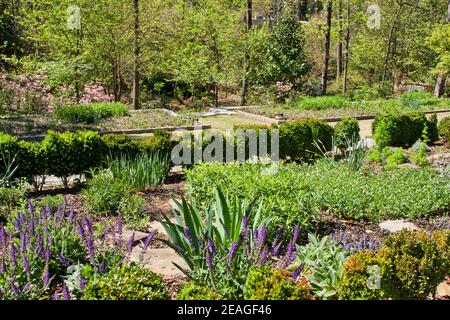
x=444 y=129
x=347 y=130
x=267 y=283
x=297 y=138
x=193 y=291
x=414 y=265
x=72 y=153
x=117 y=144
x=395 y=157
x=160 y=141
x=9 y=147
x=128 y=282
x=391 y=129
x=355 y=279
x=104 y=193
x=90 y=113
x=410 y=264
x=320 y=103
x=280 y=189
x=131 y=210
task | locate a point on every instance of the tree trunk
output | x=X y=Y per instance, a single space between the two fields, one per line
x=391 y=37
x=442 y=77
x=326 y=55
x=347 y=48
x=340 y=45
x=136 y=75
x=247 y=54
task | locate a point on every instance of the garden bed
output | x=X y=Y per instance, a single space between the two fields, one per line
x=39 y=125
x=363 y=109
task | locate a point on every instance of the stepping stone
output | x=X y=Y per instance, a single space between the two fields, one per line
x=138 y=237
x=160 y=261
x=397 y=225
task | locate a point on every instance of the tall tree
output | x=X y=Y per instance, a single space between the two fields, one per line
x=249 y=21
x=442 y=77
x=326 y=53
x=137 y=49
x=340 y=45
x=347 y=47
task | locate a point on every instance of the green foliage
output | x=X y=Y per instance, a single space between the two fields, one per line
x=118 y=144
x=411 y=266
x=267 y=283
x=128 y=282
x=292 y=192
x=391 y=129
x=72 y=153
x=104 y=193
x=354 y=284
x=414 y=264
x=142 y=171
x=297 y=138
x=131 y=210
x=444 y=129
x=323 y=260
x=319 y=103
x=90 y=113
x=214 y=246
x=395 y=157
x=283 y=52
x=417 y=99
x=347 y=129
x=193 y=291
x=280 y=189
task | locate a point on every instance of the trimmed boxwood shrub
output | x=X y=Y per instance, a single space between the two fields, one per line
x=444 y=129
x=117 y=144
x=65 y=154
x=411 y=265
x=297 y=138
x=391 y=129
x=72 y=153
x=267 y=283
x=128 y=282
x=193 y=291
x=347 y=130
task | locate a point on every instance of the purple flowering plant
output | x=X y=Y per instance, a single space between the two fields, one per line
x=221 y=247
x=38 y=246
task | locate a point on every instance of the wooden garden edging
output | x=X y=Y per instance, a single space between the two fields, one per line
x=129 y=132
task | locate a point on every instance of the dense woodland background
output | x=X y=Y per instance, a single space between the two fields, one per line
x=197 y=52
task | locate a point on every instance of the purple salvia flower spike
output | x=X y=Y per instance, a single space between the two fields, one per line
x=212 y=246
x=147 y=242
x=208 y=260
x=131 y=243
x=296 y=234
x=187 y=234
x=278 y=237
x=71 y=214
x=233 y=251
x=66 y=293
x=120 y=228
x=298 y=271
